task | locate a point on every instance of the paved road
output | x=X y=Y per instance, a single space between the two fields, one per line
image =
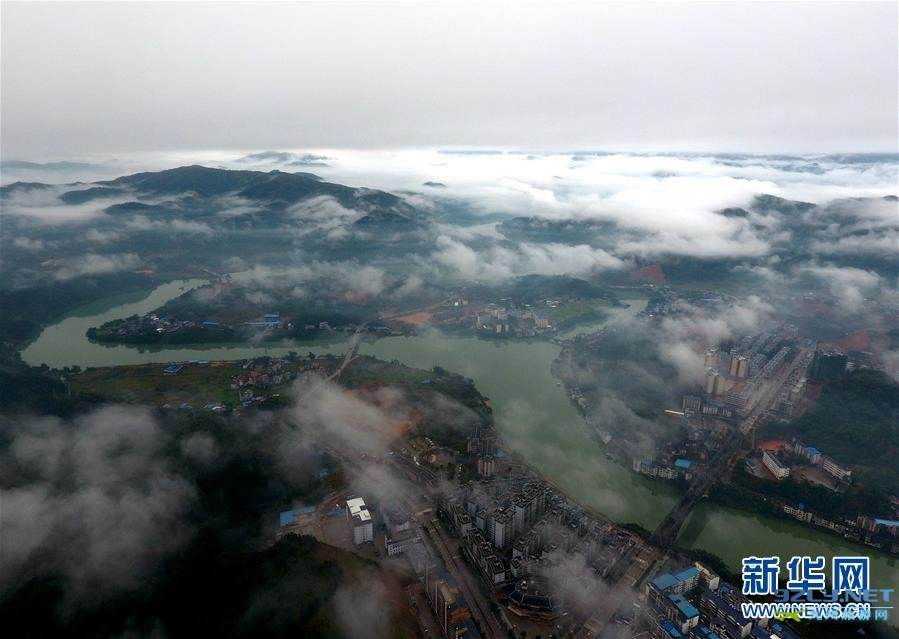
x=480 y=607
x=623 y=576
x=666 y=532
x=423 y=612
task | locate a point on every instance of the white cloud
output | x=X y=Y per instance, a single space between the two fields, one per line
x=848 y=285
x=96 y=264
x=102 y=237
x=106 y=505
x=497 y=263
x=29 y=244
x=187 y=226
x=42 y=206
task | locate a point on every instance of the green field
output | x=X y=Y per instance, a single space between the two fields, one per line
x=197 y=385
x=574 y=312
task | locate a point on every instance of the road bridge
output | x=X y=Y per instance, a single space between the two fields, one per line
x=351 y=353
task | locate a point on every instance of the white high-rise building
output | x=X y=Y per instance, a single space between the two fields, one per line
x=777 y=468
x=359 y=517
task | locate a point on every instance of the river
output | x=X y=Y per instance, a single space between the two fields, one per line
x=532 y=414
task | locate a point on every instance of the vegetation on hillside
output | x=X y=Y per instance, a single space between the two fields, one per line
x=855 y=421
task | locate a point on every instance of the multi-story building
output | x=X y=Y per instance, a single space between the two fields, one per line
x=799 y=512
x=827 y=366
x=486 y=466
x=665 y=629
x=835 y=470
x=502 y=529
x=396 y=518
x=665 y=595
x=708 y=580
x=714 y=382
x=777 y=468
x=774 y=364
x=677 y=609
x=691 y=403
x=398 y=543
x=719 y=409
x=703 y=632
x=742 y=367
x=812 y=454
x=450 y=608
x=360 y=520
x=723 y=617
x=734 y=364
x=528 y=507
x=797 y=391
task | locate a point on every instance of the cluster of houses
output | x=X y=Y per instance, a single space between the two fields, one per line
x=152 y=323
x=514 y=531
x=262 y=373
x=506 y=318
x=680 y=469
x=780 y=470
x=696 y=604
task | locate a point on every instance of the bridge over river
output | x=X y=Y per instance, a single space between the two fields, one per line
x=640 y=561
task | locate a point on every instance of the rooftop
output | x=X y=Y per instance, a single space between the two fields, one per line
x=357 y=509
x=687 y=609
x=689 y=573
x=670 y=629
x=287 y=517
x=887 y=522
x=705 y=633
x=663 y=582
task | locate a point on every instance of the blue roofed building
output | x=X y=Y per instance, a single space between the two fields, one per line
x=683 y=464
x=732 y=595
x=295 y=515
x=723 y=617
x=887 y=523
x=663 y=596
x=686 y=610
x=664 y=582
x=680 y=612
x=666 y=630
x=781 y=630
x=682 y=582
x=687 y=579
x=812 y=454
x=704 y=632
x=697 y=605
x=879 y=529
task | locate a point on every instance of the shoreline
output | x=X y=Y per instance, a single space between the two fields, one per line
x=825 y=541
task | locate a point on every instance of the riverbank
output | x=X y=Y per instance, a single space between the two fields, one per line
x=532 y=414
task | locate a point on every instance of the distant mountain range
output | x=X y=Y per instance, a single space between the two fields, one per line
x=268 y=198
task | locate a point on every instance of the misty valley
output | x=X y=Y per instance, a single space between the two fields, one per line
x=251 y=400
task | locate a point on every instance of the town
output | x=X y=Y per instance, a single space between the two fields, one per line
x=753 y=386
x=491 y=556
x=485 y=545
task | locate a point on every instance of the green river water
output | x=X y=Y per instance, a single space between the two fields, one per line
x=532 y=413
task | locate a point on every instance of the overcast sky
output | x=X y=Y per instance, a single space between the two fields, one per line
x=110 y=78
